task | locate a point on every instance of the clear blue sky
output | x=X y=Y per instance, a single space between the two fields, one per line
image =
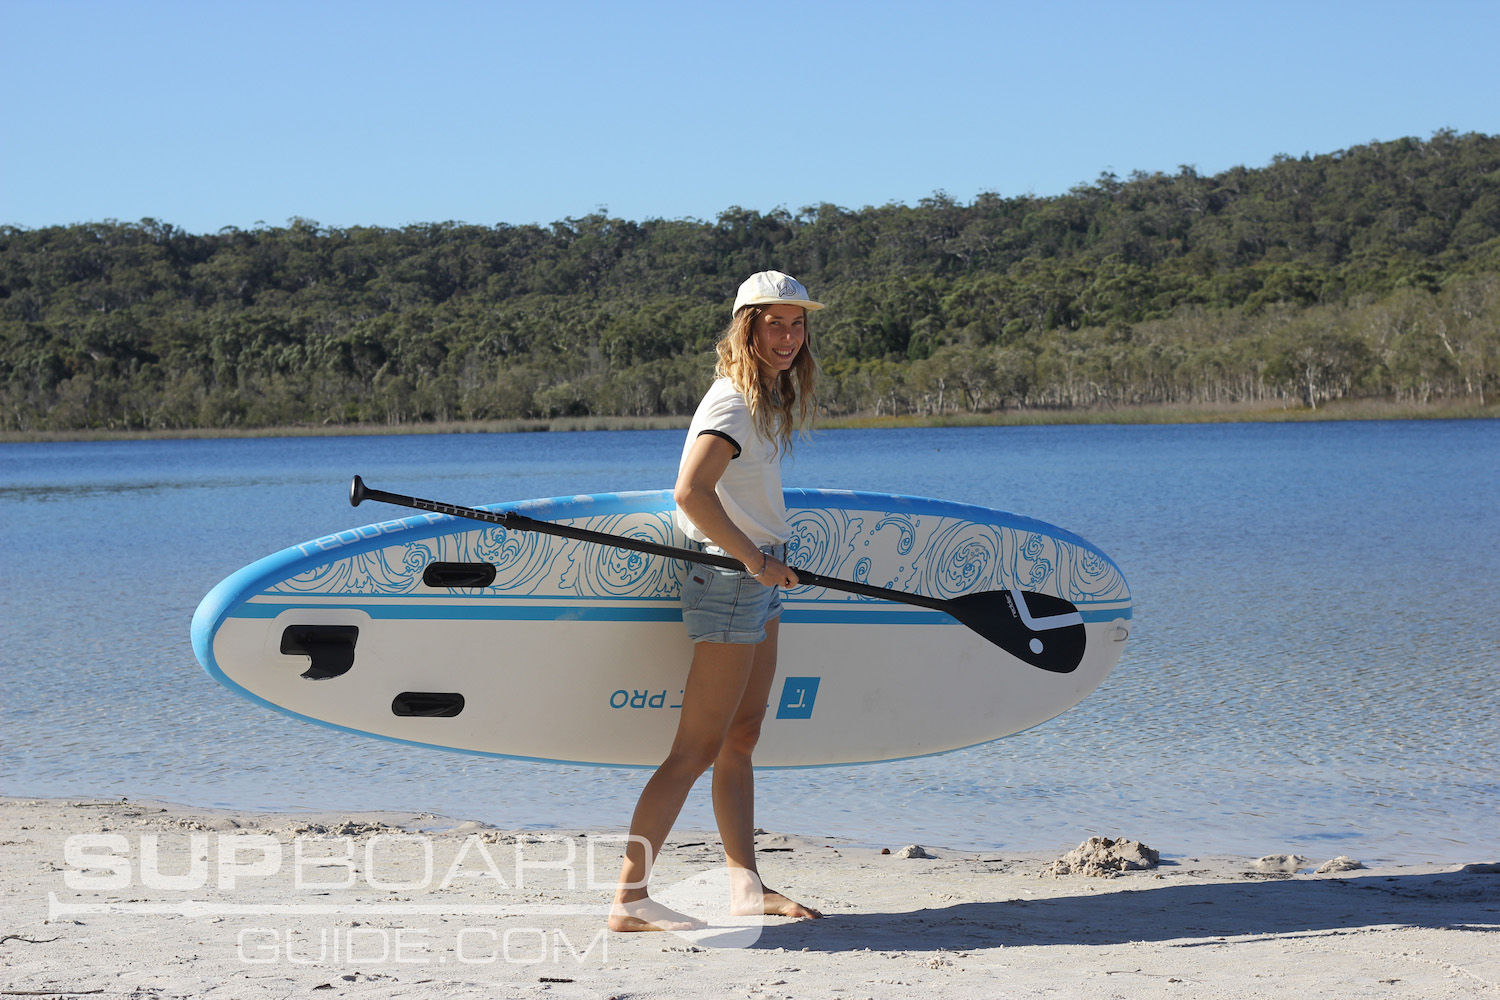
x=217 y=113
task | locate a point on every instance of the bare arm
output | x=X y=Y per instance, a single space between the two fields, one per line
x=706 y=462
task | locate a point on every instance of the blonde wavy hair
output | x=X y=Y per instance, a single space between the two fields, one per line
x=781 y=403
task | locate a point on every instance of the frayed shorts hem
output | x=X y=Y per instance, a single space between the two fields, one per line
x=733 y=638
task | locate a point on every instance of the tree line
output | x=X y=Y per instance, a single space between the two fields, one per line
x=1371 y=271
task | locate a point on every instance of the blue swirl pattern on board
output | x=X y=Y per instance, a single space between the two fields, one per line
x=605 y=571
x=928 y=553
x=396 y=569
x=949 y=556
x=820 y=537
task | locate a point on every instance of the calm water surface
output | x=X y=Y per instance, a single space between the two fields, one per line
x=1312 y=666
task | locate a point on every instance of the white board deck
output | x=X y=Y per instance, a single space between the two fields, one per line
x=576 y=652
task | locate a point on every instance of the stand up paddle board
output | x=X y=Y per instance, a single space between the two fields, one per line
x=438 y=631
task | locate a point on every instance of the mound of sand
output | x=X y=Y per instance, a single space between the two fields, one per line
x=1101 y=857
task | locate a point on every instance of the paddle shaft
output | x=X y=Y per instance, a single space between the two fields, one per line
x=358 y=492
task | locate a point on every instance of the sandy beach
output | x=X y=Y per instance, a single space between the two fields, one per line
x=118 y=898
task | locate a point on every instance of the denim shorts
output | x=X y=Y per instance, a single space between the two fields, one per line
x=726 y=605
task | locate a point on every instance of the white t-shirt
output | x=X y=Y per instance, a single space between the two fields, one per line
x=750 y=488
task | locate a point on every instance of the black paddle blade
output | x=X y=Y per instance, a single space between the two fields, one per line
x=1037 y=629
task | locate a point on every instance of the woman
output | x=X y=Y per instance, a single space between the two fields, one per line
x=729 y=501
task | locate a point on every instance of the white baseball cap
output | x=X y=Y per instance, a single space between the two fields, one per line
x=773 y=288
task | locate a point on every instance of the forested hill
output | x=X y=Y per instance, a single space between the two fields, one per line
x=1371 y=271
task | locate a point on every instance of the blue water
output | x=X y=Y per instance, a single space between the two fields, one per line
x=1312 y=667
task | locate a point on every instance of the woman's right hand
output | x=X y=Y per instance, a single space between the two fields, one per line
x=776 y=573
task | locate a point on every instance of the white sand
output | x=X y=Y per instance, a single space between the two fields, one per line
x=94 y=905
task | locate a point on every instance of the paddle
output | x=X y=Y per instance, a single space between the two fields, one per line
x=1038 y=629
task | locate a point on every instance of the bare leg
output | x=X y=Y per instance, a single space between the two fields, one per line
x=715 y=687
x=734 y=791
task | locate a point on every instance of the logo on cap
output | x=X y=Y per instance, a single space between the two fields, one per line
x=787 y=288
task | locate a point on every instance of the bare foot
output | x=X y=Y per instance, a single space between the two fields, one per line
x=649 y=915
x=773 y=903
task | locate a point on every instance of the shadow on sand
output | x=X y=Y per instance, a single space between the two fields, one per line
x=1137 y=908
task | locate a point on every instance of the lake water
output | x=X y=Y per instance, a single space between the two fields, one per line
x=1312 y=667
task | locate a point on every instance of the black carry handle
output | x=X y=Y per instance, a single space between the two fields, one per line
x=1044 y=631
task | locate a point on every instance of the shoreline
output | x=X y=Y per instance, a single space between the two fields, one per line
x=147 y=898
x=1338 y=411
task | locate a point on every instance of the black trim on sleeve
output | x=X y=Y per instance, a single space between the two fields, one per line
x=726 y=437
